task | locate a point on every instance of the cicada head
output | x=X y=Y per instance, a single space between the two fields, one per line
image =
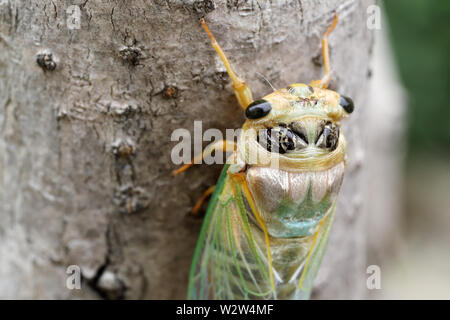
x=298 y=126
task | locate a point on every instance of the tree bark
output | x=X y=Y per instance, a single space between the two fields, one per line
x=86 y=118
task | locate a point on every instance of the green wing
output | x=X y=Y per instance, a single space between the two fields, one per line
x=312 y=266
x=230 y=262
x=231 y=258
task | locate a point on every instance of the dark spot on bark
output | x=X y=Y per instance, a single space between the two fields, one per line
x=369 y=73
x=106 y=283
x=131 y=54
x=110 y=286
x=242 y=6
x=317 y=60
x=131 y=199
x=45 y=61
x=123 y=148
x=203 y=7
x=170 y=92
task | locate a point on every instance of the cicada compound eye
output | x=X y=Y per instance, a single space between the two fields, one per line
x=258 y=109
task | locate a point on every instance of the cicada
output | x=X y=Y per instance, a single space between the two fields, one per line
x=266 y=227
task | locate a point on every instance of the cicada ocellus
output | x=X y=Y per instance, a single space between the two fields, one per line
x=266 y=227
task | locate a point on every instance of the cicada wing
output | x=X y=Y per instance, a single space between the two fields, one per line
x=313 y=262
x=230 y=262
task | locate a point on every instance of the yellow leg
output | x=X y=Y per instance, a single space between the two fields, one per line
x=222 y=145
x=323 y=83
x=241 y=90
x=202 y=199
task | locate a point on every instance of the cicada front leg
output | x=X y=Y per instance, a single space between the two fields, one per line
x=221 y=145
x=240 y=88
x=244 y=97
x=323 y=83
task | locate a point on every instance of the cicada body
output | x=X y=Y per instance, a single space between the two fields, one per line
x=267 y=224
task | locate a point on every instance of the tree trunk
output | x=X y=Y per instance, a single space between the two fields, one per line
x=86 y=117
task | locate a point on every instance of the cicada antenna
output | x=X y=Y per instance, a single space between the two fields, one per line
x=268 y=82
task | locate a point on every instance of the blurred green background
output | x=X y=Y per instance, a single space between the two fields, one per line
x=420 y=37
x=419 y=33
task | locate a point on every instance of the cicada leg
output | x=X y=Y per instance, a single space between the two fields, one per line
x=241 y=90
x=323 y=83
x=221 y=145
x=202 y=199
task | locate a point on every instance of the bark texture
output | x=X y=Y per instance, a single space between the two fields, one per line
x=86 y=117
